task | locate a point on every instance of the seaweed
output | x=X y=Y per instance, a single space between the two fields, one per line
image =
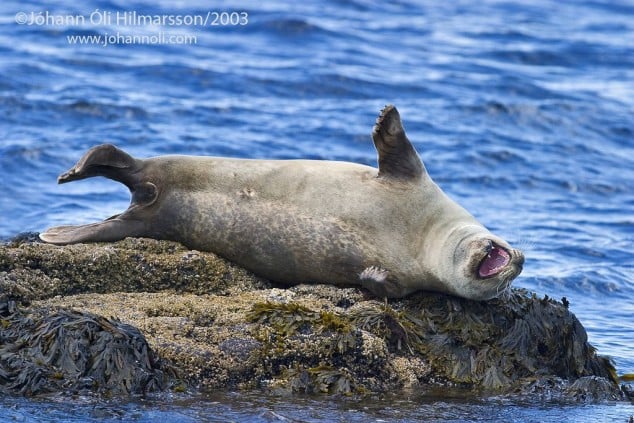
x=323 y=379
x=497 y=344
x=286 y=319
x=53 y=349
x=399 y=328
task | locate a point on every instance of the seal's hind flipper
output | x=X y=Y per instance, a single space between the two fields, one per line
x=103 y=160
x=111 y=162
x=397 y=156
x=110 y=230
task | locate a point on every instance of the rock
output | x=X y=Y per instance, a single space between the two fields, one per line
x=152 y=315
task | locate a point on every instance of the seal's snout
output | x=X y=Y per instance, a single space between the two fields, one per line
x=518 y=260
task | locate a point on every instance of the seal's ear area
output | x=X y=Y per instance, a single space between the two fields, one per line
x=397 y=156
x=144 y=194
x=102 y=160
x=110 y=230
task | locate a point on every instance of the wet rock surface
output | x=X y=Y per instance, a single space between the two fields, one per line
x=141 y=315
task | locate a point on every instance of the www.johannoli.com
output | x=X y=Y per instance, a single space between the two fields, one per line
x=121 y=39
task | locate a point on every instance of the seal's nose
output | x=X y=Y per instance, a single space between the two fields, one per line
x=517 y=261
x=519 y=257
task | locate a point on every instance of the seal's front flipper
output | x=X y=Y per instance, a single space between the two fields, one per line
x=104 y=160
x=397 y=157
x=378 y=282
x=110 y=230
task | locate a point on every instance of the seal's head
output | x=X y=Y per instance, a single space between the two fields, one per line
x=483 y=265
x=455 y=253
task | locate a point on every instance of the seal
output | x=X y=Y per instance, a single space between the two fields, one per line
x=392 y=229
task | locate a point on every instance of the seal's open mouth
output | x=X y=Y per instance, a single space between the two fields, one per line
x=494 y=262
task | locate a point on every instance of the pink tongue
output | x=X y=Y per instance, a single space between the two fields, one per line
x=494 y=262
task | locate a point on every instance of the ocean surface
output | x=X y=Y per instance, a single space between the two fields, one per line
x=523 y=112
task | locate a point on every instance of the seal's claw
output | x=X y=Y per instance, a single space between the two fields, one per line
x=389 y=122
x=374 y=273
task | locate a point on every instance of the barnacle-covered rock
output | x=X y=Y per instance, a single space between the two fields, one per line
x=78 y=317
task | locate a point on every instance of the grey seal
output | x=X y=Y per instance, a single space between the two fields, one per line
x=392 y=229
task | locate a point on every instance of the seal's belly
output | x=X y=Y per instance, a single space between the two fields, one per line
x=293 y=221
x=282 y=243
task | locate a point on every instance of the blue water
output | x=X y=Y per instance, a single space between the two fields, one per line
x=254 y=407
x=522 y=111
